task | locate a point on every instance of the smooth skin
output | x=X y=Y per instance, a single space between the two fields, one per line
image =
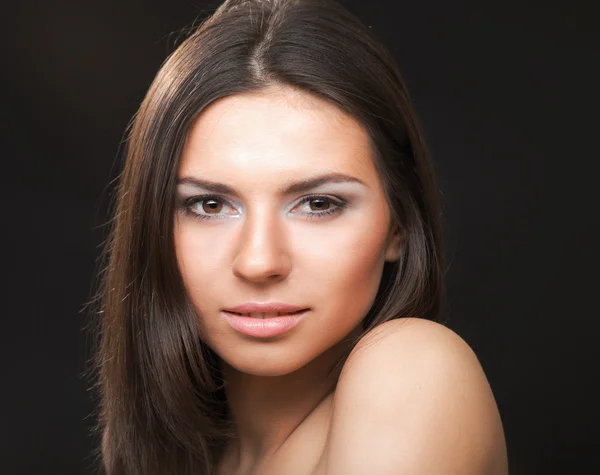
x=255 y=242
x=413 y=400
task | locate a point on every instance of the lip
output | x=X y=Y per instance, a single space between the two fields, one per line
x=263 y=327
x=264 y=307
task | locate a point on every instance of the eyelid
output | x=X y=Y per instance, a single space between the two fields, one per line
x=339 y=202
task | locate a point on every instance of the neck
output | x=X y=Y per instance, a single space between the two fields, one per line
x=267 y=410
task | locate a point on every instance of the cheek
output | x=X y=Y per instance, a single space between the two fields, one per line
x=345 y=271
x=356 y=265
x=198 y=260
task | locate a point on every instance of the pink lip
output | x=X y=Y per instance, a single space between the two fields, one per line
x=263 y=327
x=264 y=307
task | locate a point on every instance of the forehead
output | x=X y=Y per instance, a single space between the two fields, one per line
x=276 y=130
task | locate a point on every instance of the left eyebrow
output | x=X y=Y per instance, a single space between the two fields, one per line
x=295 y=187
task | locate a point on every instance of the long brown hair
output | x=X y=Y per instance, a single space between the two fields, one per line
x=162 y=406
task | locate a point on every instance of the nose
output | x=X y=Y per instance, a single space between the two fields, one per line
x=262 y=254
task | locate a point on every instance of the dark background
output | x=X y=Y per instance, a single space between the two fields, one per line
x=508 y=96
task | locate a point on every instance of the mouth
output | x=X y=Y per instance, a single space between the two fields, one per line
x=263 y=315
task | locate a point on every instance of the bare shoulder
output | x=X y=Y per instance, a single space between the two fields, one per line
x=413 y=399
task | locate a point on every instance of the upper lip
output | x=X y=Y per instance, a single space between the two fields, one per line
x=264 y=307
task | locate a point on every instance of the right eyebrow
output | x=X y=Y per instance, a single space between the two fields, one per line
x=289 y=188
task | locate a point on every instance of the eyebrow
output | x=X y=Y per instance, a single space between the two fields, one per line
x=289 y=188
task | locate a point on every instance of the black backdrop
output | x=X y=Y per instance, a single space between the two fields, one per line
x=507 y=93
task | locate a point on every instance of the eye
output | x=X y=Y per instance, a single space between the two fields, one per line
x=205 y=207
x=320 y=206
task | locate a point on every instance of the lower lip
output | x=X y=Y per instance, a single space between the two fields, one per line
x=263 y=327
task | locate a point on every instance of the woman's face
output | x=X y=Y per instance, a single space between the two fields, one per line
x=255 y=242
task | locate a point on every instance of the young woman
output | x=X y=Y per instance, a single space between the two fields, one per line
x=274 y=272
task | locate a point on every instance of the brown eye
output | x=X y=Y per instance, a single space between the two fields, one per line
x=319 y=204
x=208 y=207
x=211 y=206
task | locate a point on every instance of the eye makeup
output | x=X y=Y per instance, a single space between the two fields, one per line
x=186 y=207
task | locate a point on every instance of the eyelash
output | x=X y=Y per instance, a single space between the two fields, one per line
x=339 y=206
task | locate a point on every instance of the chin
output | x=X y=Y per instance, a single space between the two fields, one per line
x=275 y=370
x=263 y=361
x=262 y=368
